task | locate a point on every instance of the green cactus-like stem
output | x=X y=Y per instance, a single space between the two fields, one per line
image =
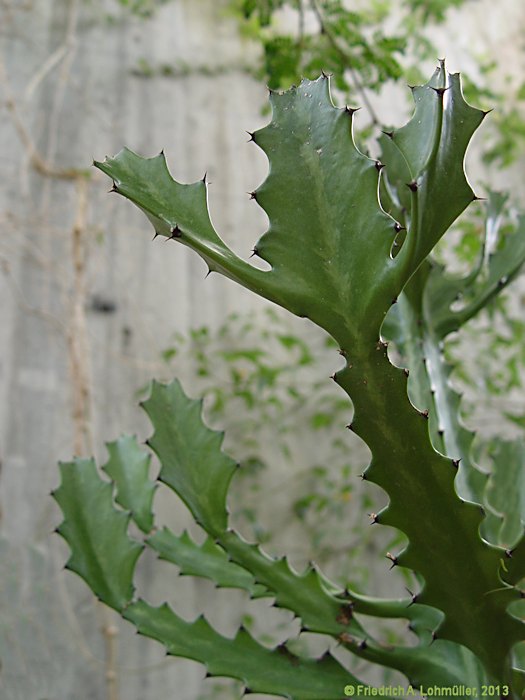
x=331 y=249
x=430 y=389
x=274 y=671
x=444 y=545
x=321 y=607
x=420 y=323
x=319 y=612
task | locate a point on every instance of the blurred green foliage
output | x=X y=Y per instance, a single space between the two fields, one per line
x=366 y=45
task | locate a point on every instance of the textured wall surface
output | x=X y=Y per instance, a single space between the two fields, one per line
x=88 y=302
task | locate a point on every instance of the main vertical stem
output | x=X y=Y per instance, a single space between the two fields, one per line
x=420 y=484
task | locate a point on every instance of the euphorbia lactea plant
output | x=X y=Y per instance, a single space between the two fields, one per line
x=348 y=247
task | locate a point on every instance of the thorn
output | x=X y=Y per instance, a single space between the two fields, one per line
x=342 y=352
x=204 y=180
x=440 y=91
x=406 y=371
x=325 y=74
x=394 y=301
x=379 y=165
x=363 y=476
x=455 y=463
x=424 y=413
x=441 y=432
x=374 y=518
x=254 y=252
x=253 y=195
x=434 y=637
x=333 y=377
x=251 y=134
x=390 y=134
x=508 y=553
x=412 y=186
x=175 y=232
x=413 y=596
x=114 y=187
x=363 y=644
x=475 y=198
x=398 y=227
x=208 y=273
x=284 y=651
x=392 y=558
x=351 y=110
x=350 y=427
x=156 y=235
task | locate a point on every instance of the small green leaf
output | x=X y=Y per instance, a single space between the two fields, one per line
x=322 y=420
x=190 y=454
x=128 y=467
x=102 y=553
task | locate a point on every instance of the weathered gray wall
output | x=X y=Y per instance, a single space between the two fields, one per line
x=66 y=244
x=69 y=370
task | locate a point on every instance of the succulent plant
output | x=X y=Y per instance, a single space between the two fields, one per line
x=349 y=247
